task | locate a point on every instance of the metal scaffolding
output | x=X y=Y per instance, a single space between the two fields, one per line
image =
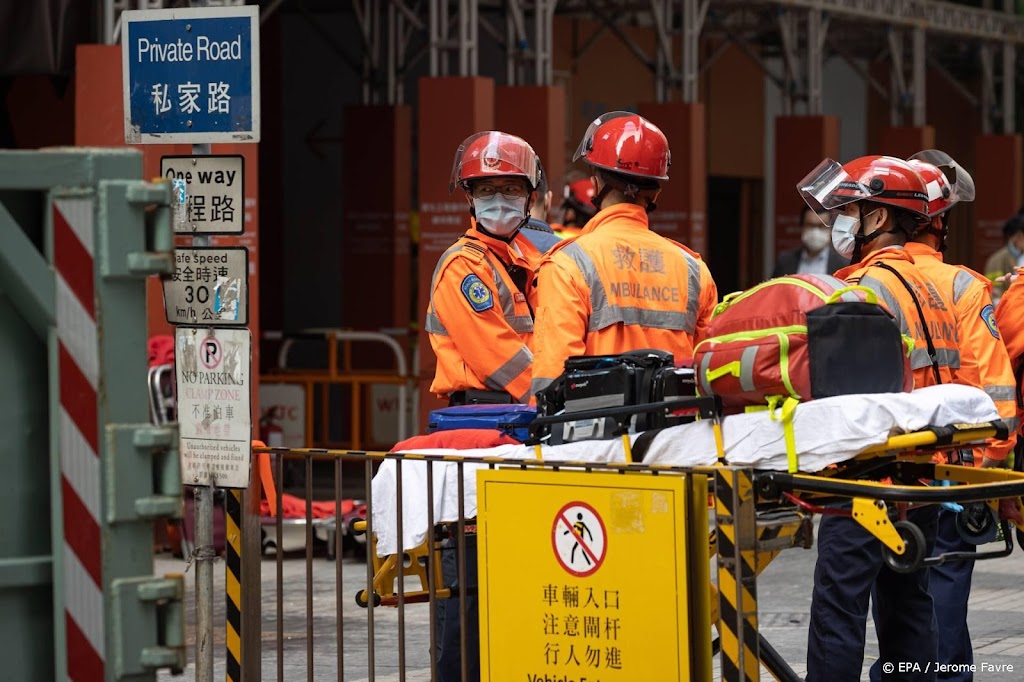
x=965 y=45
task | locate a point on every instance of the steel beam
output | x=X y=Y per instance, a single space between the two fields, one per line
x=988 y=89
x=694 y=13
x=931 y=15
x=920 y=77
x=817 y=32
x=789 y=32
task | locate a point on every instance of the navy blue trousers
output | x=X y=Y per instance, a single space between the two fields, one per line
x=950 y=586
x=849 y=567
x=449 y=662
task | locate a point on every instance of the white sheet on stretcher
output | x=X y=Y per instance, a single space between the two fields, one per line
x=827 y=431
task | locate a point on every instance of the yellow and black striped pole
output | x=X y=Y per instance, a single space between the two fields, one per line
x=736 y=521
x=233 y=584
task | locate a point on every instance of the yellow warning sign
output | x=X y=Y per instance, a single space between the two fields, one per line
x=583 y=576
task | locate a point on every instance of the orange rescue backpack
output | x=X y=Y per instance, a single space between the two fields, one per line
x=801 y=337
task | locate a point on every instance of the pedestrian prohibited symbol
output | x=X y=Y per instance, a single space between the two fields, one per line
x=579 y=539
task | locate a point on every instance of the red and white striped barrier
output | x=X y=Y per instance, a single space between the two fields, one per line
x=78 y=372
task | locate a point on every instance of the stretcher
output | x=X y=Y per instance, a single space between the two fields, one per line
x=891 y=438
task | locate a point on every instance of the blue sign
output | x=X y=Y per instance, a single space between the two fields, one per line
x=191 y=75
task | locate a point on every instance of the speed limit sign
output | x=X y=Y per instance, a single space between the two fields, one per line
x=209 y=286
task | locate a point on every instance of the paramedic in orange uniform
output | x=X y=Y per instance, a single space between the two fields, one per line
x=480 y=317
x=620 y=286
x=983 y=364
x=874 y=205
x=1010 y=318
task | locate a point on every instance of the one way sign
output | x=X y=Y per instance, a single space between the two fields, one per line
x=214 y=192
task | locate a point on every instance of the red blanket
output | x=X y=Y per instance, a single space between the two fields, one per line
x=293 y=507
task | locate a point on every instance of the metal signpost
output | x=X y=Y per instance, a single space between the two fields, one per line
x=192 y=76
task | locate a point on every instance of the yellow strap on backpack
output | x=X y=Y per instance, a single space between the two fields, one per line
x=869 y=295
x=732 y=368
x=788 y=409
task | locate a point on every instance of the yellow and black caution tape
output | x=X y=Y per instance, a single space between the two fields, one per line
x=233 y=584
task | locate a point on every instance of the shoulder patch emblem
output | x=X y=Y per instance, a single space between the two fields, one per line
x=988 y=315
x=477 y=293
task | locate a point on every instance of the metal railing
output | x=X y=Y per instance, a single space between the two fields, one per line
x=335 y=375
x=411 y=575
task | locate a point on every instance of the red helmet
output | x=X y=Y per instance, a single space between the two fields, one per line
x=626 y=144
x=880 y=179
x=493 y=154
x=943 y=193
x=578 y=195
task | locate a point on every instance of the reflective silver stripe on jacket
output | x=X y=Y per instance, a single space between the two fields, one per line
x=507 y=373
x=539 y=384
x=521 y=324
x=433 y=325
x=946 y=357
x=998 y=393
x=433 y=322
x=1012 y=423
x=603 y=314
x=961 y=283
x=894 y=307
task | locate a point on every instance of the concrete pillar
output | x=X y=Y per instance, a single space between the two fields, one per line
x=998 y=175
x=536 y=114
x=375 y=241
x=682 y=206
x=903 y=141
x=801 y=143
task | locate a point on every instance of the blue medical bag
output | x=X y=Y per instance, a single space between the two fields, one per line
x=513 y=420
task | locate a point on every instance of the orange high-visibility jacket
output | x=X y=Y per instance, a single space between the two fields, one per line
x=479 y=322
x=1010 y=319
x=984 y=362
x=936 y=305
x=617 y=287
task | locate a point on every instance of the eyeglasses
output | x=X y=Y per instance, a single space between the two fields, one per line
x=507 y=191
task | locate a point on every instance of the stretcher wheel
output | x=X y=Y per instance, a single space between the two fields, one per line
x=361 y=599
x=977 y=523
x=1020 y=538
x=913 y=553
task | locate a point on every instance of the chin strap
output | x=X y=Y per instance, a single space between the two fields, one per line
x=630 y=190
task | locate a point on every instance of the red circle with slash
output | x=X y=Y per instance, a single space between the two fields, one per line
x=579 y=539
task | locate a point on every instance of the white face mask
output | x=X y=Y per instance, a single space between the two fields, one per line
x=499 y=215
x=844 y=231
x=843 y=240
x=814 y=239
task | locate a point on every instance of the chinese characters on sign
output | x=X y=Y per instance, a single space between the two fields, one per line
x=218 y=102
x=582 y=627
x=214 y=192
x=191 y=75
x=213 y=368
x=210 y=285
x=578 y=612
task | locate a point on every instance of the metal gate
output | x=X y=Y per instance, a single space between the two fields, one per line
x=79 y=233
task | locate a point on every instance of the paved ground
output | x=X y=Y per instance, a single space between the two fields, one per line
x=996 y=620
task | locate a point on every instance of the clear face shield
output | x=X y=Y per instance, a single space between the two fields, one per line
x=828 y=188
x=491 y=154
x=961 y=184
